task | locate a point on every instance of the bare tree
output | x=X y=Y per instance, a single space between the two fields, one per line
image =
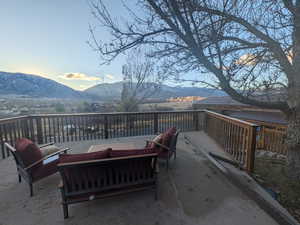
x=250 y=49
x=140 y=81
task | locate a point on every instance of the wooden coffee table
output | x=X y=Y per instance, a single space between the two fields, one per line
x=115 y=146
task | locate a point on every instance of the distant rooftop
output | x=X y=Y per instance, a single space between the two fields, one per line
x=269 y=117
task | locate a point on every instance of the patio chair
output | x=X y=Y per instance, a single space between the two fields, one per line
x=32 y=164
x=165 y=145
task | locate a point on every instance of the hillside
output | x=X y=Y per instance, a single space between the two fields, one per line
x=113 y=91
x=35 y=86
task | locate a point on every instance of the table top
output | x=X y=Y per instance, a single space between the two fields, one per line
x=114 y=146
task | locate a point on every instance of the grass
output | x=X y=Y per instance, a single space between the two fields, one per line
x=271 y=174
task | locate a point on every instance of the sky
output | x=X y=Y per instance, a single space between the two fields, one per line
x=49 y=38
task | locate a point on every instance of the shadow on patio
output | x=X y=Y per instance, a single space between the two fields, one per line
x=193 y=192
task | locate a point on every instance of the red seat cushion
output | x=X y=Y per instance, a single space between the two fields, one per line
x=131 y=152
x=69 y=158
x=28 y=151
x=44 y=170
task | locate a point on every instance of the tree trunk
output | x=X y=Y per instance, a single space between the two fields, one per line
x=293 y=144
x=293 y=115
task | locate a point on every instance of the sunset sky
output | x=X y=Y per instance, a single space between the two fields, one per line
x=48 y=38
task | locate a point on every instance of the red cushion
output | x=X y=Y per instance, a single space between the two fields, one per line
x=68 y=158
x=131 y=152
x=166 y=137
x=28 y=151
x=157 y=139
x=45 y=170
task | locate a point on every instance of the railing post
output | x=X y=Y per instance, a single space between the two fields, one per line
x=155 y=121
x=25 y=127
x=205 y=122
x=40 y=135
x=262 y=137
x=196 y=120
x=2 y=140
x=105 y=127
x=251 y=149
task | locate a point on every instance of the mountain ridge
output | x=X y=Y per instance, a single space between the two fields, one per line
x=36 y=86
x=113 y=91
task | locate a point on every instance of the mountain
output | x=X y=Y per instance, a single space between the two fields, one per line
x=35 y=86
x=108 y=91
x=113 y=91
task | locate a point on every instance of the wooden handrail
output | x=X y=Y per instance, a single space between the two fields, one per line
x=236 y=137
x=115 y=113
x=11 y=119
x=231 y=119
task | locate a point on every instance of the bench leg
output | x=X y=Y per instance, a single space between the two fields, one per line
x=20 y=178
x=167 y=163
x=66 y=210
x=31 y=189
x=156 y=193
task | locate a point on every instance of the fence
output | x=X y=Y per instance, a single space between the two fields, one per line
x=272 y=139
x=235 y=136
x=76 y=127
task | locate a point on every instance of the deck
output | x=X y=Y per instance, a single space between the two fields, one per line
x=193 y=192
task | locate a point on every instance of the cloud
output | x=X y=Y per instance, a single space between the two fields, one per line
x=247 y=60
x=290 y=56
x=109 y=76
x=79 y=76
x=82 y=87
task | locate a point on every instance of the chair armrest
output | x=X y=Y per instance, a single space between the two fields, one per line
x=160 y=145
x=11 y=148
x=45 y=145
x=58 y=152
x=46 y=157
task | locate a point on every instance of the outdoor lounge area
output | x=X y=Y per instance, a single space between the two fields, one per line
x=187 y=189
x=192 y=191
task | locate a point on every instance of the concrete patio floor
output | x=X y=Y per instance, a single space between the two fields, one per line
x=193 y=192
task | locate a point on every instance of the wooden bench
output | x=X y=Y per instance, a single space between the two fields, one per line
x=96 y=179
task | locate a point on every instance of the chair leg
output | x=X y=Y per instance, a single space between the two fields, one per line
x=66 y=210
x=20 y=178
x=167 y=163
x=31 y=189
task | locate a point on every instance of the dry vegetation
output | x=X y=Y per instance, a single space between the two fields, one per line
x=165 y=106
x=271 y=174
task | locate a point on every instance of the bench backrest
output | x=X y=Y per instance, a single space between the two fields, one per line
x=107 y=174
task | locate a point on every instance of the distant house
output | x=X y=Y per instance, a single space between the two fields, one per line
x=185 y=99
x=227 y=106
